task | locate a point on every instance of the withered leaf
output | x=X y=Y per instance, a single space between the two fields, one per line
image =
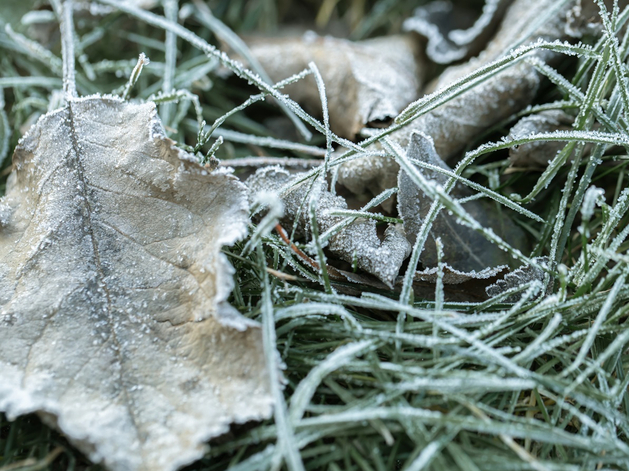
x=538 y=153
x=517 y=278
x=450 y=35
x=514 y=30
x=366 y=81
x=114 y=325
x=369 y=175
x=357 y=242
x=464 y=249
x=456 y=123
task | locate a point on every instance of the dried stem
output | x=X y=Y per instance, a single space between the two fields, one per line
x=332 y=272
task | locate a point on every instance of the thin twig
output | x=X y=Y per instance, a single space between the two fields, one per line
x=332 y=272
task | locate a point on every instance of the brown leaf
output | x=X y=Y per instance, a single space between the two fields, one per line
x=357 y=241
x=455 y=124
x=514 y=30
x=464 y=249
x=457 y=286
x=365 y=81
x=114 y=325
x=539 y=153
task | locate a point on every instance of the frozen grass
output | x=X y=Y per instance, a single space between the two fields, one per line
x=377 y=381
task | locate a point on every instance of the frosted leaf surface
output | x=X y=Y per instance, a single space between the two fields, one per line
x=440 y=23
x=358 y=241
x=538 y=153
x=369 y=175
x=452 y=126
x=583 y=18
x=460 y=120
x=520 y=26
x=365 y=81
x=114 y=325
x=516 y=278
x=464 y=249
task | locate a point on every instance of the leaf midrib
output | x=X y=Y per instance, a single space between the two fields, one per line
x=76 y=149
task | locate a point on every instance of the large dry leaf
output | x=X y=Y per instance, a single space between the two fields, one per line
x=365 y=81
x=515 y=30
x=441 y=23
x=357 y=241
x=456 y=124
x=464 y=249
x=114 y=325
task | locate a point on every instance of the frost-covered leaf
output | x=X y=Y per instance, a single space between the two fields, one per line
x=464 y=249
x=538 y=153
x=114 y=325
x=366 y=81
x=584 y=18
x=450 y=35
x=526 y=22
x=369 y=175
x=458 y=286
x=452 y=126
x=460 y=120
x=517 y=278
x=357 y=242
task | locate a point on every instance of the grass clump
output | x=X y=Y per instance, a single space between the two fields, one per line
x=378 y=380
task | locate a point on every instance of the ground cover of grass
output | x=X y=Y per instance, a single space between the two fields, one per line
x=375 y=381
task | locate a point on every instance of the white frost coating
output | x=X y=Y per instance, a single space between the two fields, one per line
x=516 y=278
x=452 y=276
x=38 y=17
x=113 y=321
x=463 y=37
x=25 y=139
x=224 y=170
x=593 y=197
x=446 y=45
x=459 y=120
x=5 y=211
